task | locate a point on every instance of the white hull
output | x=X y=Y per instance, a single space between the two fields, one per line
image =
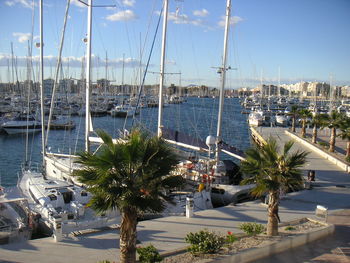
x=255 y=122
x=123 y=111
x=14 y=217
x=61 y=167
x=21 y=130
x=62 y=205
x=255 y=119
x=281 y=120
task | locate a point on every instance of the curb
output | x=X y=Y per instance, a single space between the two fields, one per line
x=257 y=137
x=277 y=247
x=341 y=164
x=268 y=250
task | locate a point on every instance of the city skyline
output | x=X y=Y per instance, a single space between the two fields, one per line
x=269 y=40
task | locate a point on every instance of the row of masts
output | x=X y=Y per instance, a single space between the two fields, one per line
x=162 y=74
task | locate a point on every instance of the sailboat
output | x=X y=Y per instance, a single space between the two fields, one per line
x=14 y=217
x=22 y=124
x=211 y=173
x=61 y=205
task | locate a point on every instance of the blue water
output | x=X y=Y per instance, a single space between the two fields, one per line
x=197 y=116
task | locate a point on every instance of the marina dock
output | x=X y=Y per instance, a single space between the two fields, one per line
x=331 y=190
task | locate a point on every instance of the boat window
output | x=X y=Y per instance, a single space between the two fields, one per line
x=217 y=190
x=52 y=197
x=67 y=197
x=70 y=216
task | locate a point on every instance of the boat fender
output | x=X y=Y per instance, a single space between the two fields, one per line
x=201 y=187
x=204 y=178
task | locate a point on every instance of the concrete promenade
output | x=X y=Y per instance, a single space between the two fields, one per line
x=331 y=189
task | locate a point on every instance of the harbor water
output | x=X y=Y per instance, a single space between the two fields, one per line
x=196 y=117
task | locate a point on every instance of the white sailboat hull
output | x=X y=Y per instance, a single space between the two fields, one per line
x=63 y=202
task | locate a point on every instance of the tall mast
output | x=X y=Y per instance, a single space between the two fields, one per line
x=28 y=101
x=88 y=81
x=58 y=67
x=12 y=68
x=162 y=61
x=123 y=91
x=42 y=84
x=106 y=76
x=223 y=80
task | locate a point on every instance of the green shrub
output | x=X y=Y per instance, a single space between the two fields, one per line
x=204 y=242
x=252 y=228
x=347 y=159
x=289 y=228
x=149 y=254
x=323 y=144
x=230 y=238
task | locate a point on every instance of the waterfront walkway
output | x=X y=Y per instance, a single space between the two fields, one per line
x=331 y=189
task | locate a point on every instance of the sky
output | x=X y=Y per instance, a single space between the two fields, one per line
x=270 y=41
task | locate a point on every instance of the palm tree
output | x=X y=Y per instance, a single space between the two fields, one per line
x=272 y=172
x=317 y=121
x=130 y=176
x=345 y=135
x=333 y=121
x=304 y=114
x=294 y=114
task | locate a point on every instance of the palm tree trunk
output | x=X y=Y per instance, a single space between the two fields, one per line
x=303 y=129
x=332 y=139
x=273 y=218
x=314 y=134
x=128 y=236
x=348 y=149
x=293 y=124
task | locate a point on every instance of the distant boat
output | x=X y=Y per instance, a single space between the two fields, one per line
x=22 y=123
x=61 y=123
x=255 y=118
x=125 y=110
x=281 y=119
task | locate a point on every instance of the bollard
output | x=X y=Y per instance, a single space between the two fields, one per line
x=57 y=229
x=189 y=207
x=311 y=175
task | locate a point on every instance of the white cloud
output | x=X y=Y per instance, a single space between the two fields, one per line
x=21 y=37
x=183 y=19
x=129 y=2
x=77 y=3
x=170 y=62
x=23 y=3
x=126 y=15
x=201 y=13
x=9 y=3
x=234 y=20
x=74 y=62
